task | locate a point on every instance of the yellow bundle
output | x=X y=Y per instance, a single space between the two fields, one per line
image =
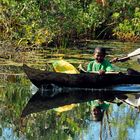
x=65 y=108
x=64 y=67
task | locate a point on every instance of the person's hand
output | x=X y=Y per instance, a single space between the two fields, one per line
x=114 y=60
x=101 y=72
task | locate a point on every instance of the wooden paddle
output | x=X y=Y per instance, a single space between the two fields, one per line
x=130 y=55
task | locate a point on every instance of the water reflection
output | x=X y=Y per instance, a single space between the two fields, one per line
x=133 y=100
x=43 y=99
x=14 y=94
x=71 y=124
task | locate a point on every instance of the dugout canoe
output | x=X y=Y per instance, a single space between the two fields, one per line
x=84 y=80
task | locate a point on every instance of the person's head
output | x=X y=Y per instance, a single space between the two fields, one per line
x=97 y=113
x=99 y=54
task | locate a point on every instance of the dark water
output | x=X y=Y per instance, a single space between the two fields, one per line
x=74 y=122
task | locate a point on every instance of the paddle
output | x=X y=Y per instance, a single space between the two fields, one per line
x=130 y=55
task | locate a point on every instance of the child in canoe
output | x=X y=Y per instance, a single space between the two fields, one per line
x=100 y=64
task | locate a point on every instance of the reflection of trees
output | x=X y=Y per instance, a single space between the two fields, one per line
x=57 y=126
x=74 y=124
x=14 y=96
x=121 y=120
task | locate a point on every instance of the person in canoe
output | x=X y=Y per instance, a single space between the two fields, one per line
x=99 y=64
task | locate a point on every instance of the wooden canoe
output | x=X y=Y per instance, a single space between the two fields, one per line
x=83 y=80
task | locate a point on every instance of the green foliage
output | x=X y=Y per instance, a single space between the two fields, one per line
x=28 y=23
x=21 y=23
x=115 y=15
x=129 y=29
x=126 y=18
x=35 y=22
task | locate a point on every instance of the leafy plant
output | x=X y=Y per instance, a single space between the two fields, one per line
x=129 y=30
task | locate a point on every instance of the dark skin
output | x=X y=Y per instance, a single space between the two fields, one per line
x=99 y=57
x=97 y=114
x=114 y=60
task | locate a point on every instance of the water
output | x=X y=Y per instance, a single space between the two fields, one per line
x=70 y=122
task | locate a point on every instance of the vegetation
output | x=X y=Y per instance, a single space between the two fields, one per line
x=129 y=29
x=26 y=25
x=34 y=23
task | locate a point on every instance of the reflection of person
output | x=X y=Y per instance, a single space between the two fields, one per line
x=98 y=108
x=100 y=64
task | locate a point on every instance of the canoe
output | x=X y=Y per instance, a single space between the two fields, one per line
x=83 y=80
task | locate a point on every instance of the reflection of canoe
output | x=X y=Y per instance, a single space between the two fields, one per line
x=83 y=80
x=66 y=96
x=40 y=101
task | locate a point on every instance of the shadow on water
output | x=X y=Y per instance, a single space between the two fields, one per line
x=46 y=99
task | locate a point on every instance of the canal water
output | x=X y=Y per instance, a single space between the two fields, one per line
x=23 y=117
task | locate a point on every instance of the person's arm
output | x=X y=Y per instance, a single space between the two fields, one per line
x=114 y=60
